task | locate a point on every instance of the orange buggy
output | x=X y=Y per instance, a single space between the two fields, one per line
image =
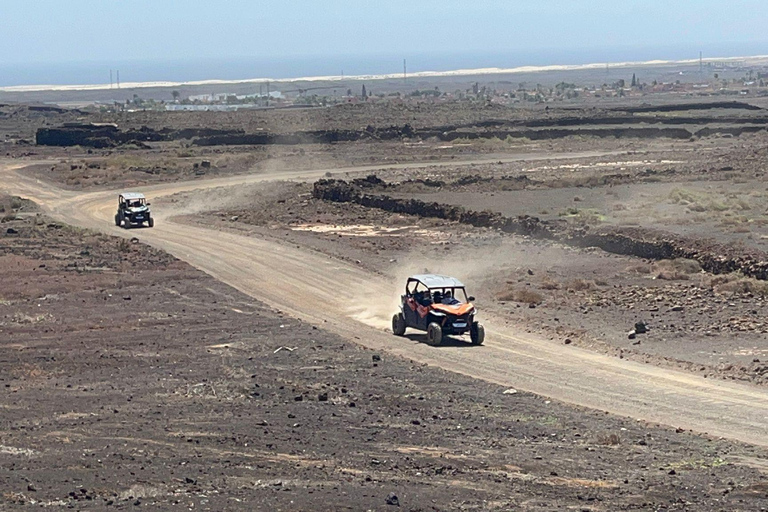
x=438 y=305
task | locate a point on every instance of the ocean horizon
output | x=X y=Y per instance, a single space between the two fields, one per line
x=292 y=67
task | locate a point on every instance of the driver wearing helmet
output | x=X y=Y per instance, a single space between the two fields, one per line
x=449 y=299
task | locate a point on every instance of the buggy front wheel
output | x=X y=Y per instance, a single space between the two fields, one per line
x=477 y=333
x=398 y=324
x=434 y=334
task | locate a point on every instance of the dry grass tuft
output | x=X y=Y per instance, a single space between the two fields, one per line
x=581 y=285
x=698 y=201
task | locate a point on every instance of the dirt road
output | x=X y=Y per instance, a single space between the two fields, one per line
x=345 y=299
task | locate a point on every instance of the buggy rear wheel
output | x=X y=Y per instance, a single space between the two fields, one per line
x=477 y=333
x=434 y=334
x=398 y=324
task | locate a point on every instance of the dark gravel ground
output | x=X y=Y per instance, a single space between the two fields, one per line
x=129 y=379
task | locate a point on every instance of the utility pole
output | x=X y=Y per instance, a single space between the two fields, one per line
x=118 y=78
x=261 y=94
x=405 y=72
x=110 y=78
x=267 y=93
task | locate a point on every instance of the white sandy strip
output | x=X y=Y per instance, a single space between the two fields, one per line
x=10 y=450
x=751 y=60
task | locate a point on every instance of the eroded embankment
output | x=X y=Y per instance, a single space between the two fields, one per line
x=640 y=242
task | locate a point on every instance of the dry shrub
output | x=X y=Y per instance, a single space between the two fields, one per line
x=524 y=295
x=527 y=296
x=123 y=245
x=581 y=285
x=684 y=196
x=609 y=439
x=722 y=279
x=683 y=265
x=640 y=268
x=582 y=217
x=697 y=201
x=549 y=284
x=739 y=285
x=672 y=275
x=676 y=270
x=506 y=296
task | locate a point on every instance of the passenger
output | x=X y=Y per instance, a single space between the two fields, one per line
x=449 y=299
x=437 y=297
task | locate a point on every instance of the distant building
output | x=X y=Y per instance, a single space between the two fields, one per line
x=207 y=107
x=224 y=97
x=277 y=95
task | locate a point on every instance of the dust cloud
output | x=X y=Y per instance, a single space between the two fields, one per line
x=214 y=199
x=481 y=267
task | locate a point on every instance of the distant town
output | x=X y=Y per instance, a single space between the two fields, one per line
x=714 y=79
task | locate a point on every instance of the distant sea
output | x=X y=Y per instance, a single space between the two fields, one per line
x=241 y=68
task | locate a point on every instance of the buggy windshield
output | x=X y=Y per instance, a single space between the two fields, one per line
x=438 y=295
x=135 y=202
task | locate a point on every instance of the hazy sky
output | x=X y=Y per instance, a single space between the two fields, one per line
x=41 y=31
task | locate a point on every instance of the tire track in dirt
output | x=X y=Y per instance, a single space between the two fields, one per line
x=318 y=289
